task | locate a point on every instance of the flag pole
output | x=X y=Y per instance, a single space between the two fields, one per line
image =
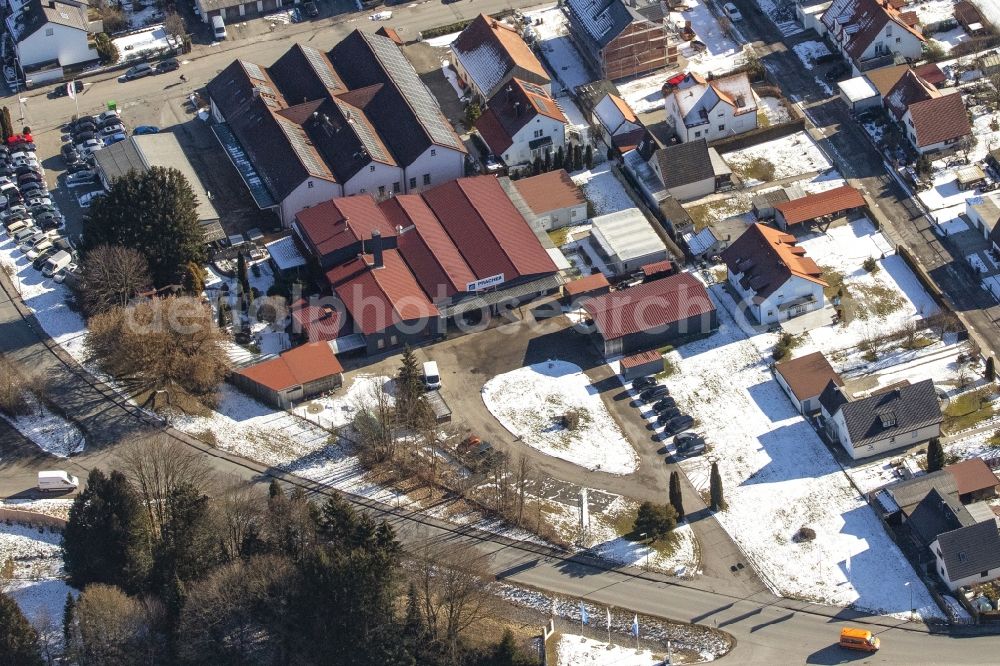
x=75 y=98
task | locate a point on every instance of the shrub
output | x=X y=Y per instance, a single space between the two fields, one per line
x=804 y=534
x=571 y=420
x=870 y=265
x=655 y=520
x=783 y=346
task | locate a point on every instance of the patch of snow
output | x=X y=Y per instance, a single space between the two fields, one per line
x=773 y=464
x=442 y=41
x=644 y=94
x=949 y=39
x=574 y=650
x=774 y=110
x=792 y=155
x=37 y=584
x=452 y=77
x=58 y=508
x=808 y=52
x=947 y=220
x=603 y=190
x=531 y=401
x=50 y=431
x=574 y=116
x=944 y=192
x=930 y=12
x=558 y=49
x=338 y=410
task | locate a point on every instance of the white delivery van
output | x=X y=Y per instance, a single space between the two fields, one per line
x=218 y=27
x=16 y=227
x=56 y=263
x=432 y=378
x=57 y=480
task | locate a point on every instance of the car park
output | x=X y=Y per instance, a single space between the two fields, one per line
x=643 y=383
x=114 y=138
x=81 y=178
x=146 y=129
x=653 y=393
x=87 y=198
x=732 y=11
x=42 y=257
x=168 y=65
x=677 y=424
x=689 y=443
x=137 y=72
x=663 y=403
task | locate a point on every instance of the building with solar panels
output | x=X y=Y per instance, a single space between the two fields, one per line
x=522 y=123
x=316 y=126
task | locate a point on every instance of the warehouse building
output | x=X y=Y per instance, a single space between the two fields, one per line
x=626 y=241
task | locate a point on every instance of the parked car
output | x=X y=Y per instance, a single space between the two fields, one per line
x=111 y=122
x=310 y=8
x=689 y=443
x=146 y=129
x=81 y=178
x=653 y=393
x=667 y=413
x=732 y=12
x=664 y=403
x=28 y=188
x=88 y=146
x=168 y=65
x=114 y=138
x=677 y=424
x=837 y=72
x=39 y=261
x=62 y=89
x=44 y=205
x=71 y=125
x=15 y=212
x=104 y=116
x=30 y=177
x=137 y=72
x=77 y=167
x=492 y=164
x=88 y=197
x=49 y=221
x=83 y=137
x=643 y=383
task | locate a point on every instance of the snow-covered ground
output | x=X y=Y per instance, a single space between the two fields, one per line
x=58 y=508
x=144 y=43
x=773 y=109
x=530 y=402
x=574 y=650
x=778 y=477
x=50 y=431
x=603 y=190
x=442 y=41
x=930 y=12
x=452 y=77
x=558 y=49
x=944 y=192
x=792 y=155
x=644 y=94
x=949 y=39
x=722 y=54
x=338 y=410
x=37 y=584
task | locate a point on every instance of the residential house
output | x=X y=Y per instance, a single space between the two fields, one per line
x=697 y=108
x=233 y=11
x=772 y=275
x=828 y=204
x=984 y=213
x=889 y=419
x=617 y=41
x=804 y=379
x=619 y=125
x=626 y=241
x=968 y=555
x=522 y=123
x=553 y=198
x=974 y=480
x=937 y=124
x=909 y=89
x=489 y=53
x=316 y=126
x=926 y=506
x=297 y=374
x=690 y=170
x=651 y=315
x=871 y=33
x=50 y=35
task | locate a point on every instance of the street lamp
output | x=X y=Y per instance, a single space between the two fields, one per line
x=907 y=584
x=646 y=565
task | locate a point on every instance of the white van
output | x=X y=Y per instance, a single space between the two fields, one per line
x=432 y=378
x=57 y=480
x=16 y=227
x=56 y=263
x=218 y=27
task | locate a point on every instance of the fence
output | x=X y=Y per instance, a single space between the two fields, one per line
x=760 y=135
x=31 y=518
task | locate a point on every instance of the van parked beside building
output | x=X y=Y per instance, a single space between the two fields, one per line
x=218 y=27
x=432 y=378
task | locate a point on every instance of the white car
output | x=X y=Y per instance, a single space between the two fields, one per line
x=732 y=12
x=381 y=16
x=88 y=197
x=81 y=179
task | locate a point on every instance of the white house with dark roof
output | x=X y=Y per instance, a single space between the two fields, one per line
x=711 y=110
x=50 y=35
x=968 y=555
x=618 y=123
x=316 y=126
x=522 y=123
x=871 y=33
x=893 y=418
x=688 y=170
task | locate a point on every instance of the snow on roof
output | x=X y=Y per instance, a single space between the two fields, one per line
x=701 y=242
x=627 y=234
x=285 y=254
x=857 y=89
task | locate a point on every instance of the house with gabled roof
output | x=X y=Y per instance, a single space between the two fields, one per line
x=521 y=123
x=616 y=40
x=773 y=276
x=315 y=126
x=689 y=170
x=804 y=379
x=51 y=35
x=619 y=124
x=871 y=33
x=297 y=374
x=828 y=204
x=968 y=555
x=488 y=53
x=701 y=109
x=896 y=417
x=936 y=124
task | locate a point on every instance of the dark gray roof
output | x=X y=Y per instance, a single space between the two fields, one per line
x=600 y=21
x=685 y=163
x=590 y=94
x=971 y=550
x=891 y=413
x=768 y=199
x=937 y=513
x=118 y=159
x=908 y=493
x=37 y=13
x=832 y=398
x=304 y=73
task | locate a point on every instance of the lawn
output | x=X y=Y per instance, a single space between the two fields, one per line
x=967 y=410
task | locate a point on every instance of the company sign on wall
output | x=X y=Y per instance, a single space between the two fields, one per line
x=485 y=283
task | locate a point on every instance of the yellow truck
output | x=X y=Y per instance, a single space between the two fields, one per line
x=859 y=639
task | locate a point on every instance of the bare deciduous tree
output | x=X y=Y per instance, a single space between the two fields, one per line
x=521 y=483
x=156 y=465
x=174 y=24
x=376 y=424
x=111 y=276
x=111 y=627
x=239 y=514
x=13 y=389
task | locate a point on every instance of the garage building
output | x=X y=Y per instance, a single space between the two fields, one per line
x=626 y=241
x=297 y=374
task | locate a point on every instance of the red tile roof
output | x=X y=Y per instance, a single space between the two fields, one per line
x=487 y=228
x=550 y=191
x=930 y=73
x=767 y=258
x=857 y=23
x=642 y=358
x=657 y=267
x=808 y=375
x=378 y=298
x=972 y=475
x=649 y=306
x=317 y=322
x=308 y=363
x=390 y=33
x=586 y=284
x=334 y=225
x=910 y=89
x=505 y=44
x=939 y=119
x=425 y=245
x=812 y=206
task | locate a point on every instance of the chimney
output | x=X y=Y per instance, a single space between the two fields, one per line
x=377 y=249
x=517 y=109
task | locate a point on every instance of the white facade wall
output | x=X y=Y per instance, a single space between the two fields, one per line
x=788 y=391
x=893 y=39
x=961 y=582
x=561 y=217
x=520 y=152
x=907 y=123
x=66 y=45
x=837 y=427
x=439 y=164
x=374 y=176
x=722 y=122
x=794 y=288
x=312 y=191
